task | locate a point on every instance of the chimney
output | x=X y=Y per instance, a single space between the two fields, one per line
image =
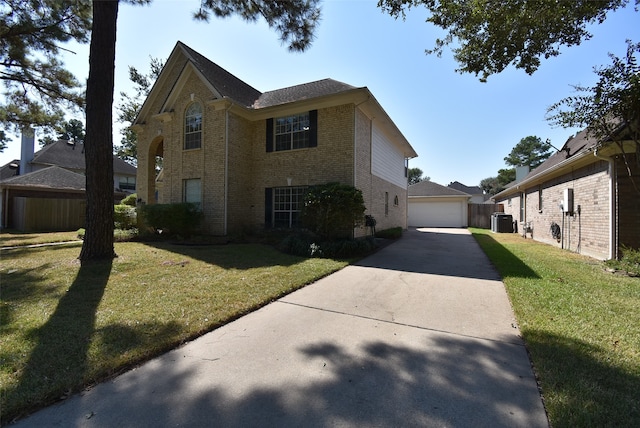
x=27 y=150
x=521 y=172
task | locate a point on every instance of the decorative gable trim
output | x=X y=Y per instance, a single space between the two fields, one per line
x=185 y=75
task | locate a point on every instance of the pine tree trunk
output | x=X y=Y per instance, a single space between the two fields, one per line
x=98 y=240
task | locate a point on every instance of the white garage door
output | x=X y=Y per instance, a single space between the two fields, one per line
x=436 y=214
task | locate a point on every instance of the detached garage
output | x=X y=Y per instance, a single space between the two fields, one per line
x=433 y=205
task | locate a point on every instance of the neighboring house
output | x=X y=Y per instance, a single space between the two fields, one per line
x=247 y=157
x=477 y=195
x=581 y=198
x=433 y=205
x=45 y=190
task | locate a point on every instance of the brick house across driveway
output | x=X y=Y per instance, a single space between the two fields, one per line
x=581 y=198
x=246 y=157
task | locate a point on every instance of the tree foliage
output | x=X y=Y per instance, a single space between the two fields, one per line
x=332 y=210
x=531 y=151
x=610 y=110
x=294 y=20
x=414 y=175
x=129 y=107
x=37 y=87
x=494 y=185
x=490 y=35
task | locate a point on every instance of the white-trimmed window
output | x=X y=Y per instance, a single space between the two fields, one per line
x=192 y=191
x=292 y=132
x=287 y=204
x=193 y=126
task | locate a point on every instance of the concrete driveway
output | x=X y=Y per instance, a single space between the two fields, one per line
x=419 y=334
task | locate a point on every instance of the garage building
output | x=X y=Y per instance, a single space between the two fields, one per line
x=434 y=205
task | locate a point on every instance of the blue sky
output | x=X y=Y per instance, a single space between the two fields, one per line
x=460 y=128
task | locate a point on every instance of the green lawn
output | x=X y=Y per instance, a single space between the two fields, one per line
x=63 y=326
x=581 y=325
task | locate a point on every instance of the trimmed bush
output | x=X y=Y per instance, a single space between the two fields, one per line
x=332 y=210
x=304 y=245
x=392 y=233
x=124 y=217
x=173 y=219
x=130 y=200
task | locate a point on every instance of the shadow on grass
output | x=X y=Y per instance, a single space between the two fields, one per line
x=231 y=256
x=508 y=264
x=58 y=361
x=581 y=386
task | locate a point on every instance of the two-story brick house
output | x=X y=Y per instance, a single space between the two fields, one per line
x=247 y=157
x=582 y=198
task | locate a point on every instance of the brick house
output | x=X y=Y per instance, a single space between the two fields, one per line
x=581 y=198
x=246 y=157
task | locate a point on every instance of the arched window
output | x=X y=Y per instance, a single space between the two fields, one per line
x=193 y=126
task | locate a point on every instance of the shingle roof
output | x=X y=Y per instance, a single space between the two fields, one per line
x=50 y=178
x=472 y=190
x=301 y=92
x=226 y=83
x=71 y=156
x=580 y=143
x=8 y=171
x=429 y=188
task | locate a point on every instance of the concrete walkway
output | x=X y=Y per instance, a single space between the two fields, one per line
x=419 y=334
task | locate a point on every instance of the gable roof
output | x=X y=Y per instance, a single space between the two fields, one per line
x=305 y=91
x=228 y=85
x=71 y=156
x=429 y=188
x=250 y=103
x=10 y=169
x=51 y=178
x=472 y=190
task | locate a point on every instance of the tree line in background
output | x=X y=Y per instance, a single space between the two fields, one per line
x=488 y=37
x=531 y=151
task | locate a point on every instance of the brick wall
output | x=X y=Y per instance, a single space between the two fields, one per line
x=251 y=169
x=588 y=232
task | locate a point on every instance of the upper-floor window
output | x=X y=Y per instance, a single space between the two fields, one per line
x=292 y=132
x=193 y=126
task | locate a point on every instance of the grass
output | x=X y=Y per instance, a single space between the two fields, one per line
x=11 y=239
x=581 y=325
x=63 y=326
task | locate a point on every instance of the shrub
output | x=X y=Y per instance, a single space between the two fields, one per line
x=629 y=262
x=392 y=233
x=124 y=217
x=304 y=245
x=119 y=235
x=130 y=200
x=174 y=219
x=332 y=210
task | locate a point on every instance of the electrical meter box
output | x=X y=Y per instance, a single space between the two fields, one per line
x=567 y=201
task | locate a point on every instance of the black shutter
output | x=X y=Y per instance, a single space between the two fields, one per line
x=269 y=135
x=313 y=128
x=268 y=207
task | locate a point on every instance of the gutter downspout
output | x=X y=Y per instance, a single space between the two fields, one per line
x=226 y=168
x=613 y=224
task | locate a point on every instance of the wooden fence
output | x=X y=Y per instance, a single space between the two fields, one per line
x=480 y=214
x=43 y=214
